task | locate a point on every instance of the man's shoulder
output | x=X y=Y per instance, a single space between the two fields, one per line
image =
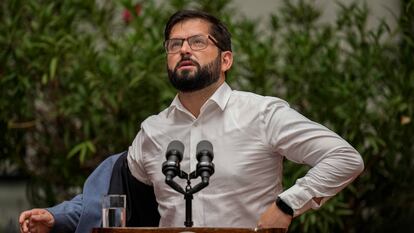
x=250 y=99
x=156 y=118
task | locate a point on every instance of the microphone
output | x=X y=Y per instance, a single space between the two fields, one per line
x=174 y=155
x=205 y=167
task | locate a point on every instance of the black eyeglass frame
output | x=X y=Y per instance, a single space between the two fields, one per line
x=186 y=39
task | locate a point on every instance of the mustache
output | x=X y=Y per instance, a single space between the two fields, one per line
x=186 y=61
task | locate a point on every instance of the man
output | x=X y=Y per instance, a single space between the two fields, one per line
x=251 y=135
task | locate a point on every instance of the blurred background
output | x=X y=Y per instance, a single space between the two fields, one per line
x=78 y=77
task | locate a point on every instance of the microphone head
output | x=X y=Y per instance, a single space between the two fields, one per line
x=204 y=146
x=175 y=148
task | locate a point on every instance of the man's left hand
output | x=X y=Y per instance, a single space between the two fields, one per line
x=273 y=217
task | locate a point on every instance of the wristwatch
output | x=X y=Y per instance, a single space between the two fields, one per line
x=284 y=207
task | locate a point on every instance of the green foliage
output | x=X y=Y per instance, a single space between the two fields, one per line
x=76 y=83
x=77 y=78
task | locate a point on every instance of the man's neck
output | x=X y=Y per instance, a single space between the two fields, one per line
x=193 y=101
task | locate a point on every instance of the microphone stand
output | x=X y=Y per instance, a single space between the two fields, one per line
x=188 y=206
x=188 y=193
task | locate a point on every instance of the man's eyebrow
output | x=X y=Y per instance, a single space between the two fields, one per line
x=200 y=34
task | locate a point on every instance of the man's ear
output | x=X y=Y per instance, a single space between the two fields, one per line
x=226 y=60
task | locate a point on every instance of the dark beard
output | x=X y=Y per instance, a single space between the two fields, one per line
x=203 y=76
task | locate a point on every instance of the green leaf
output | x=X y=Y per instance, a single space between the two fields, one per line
x=82 y=150
x=44 y=79
x=52 y=68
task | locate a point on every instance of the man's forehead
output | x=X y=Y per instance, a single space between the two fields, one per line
x=190 y=27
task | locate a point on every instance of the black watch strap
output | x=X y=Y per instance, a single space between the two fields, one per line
x=285 y=208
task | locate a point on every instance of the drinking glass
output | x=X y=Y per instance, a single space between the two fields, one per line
x=114 y=210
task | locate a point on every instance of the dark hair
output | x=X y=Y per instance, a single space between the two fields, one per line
x=217 y=29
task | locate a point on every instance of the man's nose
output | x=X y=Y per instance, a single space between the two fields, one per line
x=185 y=48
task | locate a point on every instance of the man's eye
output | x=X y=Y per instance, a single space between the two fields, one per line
x=198 y=42
x=174 y=44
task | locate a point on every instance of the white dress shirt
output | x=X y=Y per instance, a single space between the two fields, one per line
x=250 y=134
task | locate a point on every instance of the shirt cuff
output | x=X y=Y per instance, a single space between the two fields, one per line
x=300 y=199
x=62 y=224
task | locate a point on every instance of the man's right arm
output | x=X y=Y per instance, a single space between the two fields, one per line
x=141 y=143
x=60 y=218
x=67 y=214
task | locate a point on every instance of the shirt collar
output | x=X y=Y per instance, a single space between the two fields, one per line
x=220 y=97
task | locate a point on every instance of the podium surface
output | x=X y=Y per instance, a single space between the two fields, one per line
x=186 y=230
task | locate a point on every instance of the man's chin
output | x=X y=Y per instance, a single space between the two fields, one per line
x=186 y=73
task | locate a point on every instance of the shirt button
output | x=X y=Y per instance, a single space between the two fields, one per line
x=195 y=124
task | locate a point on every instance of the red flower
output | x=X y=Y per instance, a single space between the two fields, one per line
x=127 y=15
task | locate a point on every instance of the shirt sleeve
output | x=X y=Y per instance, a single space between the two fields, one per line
x=335 y=163
x=66 y=214
x=136 y=157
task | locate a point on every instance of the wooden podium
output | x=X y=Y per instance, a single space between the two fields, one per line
x=186 y=230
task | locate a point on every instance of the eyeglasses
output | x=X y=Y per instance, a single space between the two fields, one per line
x=196 y=43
